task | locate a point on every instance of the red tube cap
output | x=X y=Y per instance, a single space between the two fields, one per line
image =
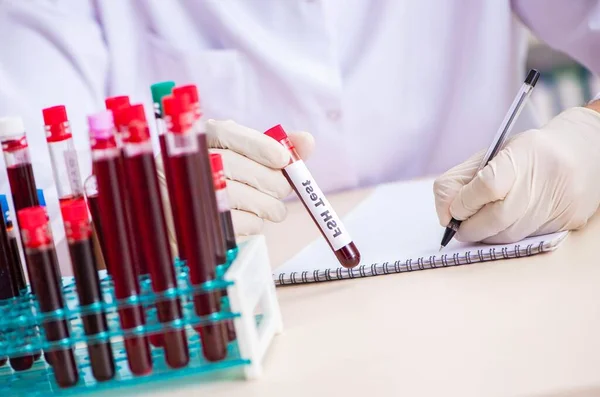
x=75 y=211
x=33 y=222
x=115 y=104
x=57 y=123
x=216 y=162
x=188 y=92
x=277 y=132
x=134 y=120
x=180 y=118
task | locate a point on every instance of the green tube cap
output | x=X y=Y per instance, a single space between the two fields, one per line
x=159 y=90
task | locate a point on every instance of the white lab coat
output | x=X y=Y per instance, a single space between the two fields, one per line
x=391 y=89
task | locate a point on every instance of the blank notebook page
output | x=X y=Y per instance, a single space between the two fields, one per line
x=396 y=228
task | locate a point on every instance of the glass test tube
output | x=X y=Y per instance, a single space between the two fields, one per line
x=189 y=93
x=316 y=203
x=18 y=166
x=16 y=266
x=160 y=90
x=108 y=168
x=78 y=230
x=183 y=150
x=115 y=105
x=90 y=188
x=220 y=184
x=41 y=255
x=150 y=227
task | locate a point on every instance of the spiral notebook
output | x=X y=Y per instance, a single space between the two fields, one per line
x=396 y=230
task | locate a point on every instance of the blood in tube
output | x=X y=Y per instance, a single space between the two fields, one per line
x=183 y=150
x=9 y=289
x=16 y=266
x=78 y=230
x=220 y=184
x=316 y=203
x=90 y=188
x=151 y=229
x=115 y=105
x=108 y=168
x=189 y=93
x=19 y=169
x=40 y=251
x=160 y=90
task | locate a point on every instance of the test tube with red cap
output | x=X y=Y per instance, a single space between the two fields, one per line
x=108 y=168
x=78 y=230
x=62 y=154
x=220 y=186
x=41 y=255
x=316 y=203
x=160 y=90
x=223 y=206
x=151 y=229
x=116 y=104
x=183 y=150
x=189 y=93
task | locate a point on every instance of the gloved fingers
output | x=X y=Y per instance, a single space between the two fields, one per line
x=304 y=143
x=242 y=169
x=491 y=184
x=447 y=185
x=247 y=142
x=502 y=219
x=246 y=223
x=249 y=199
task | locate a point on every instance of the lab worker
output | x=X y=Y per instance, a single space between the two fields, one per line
x=374 y=91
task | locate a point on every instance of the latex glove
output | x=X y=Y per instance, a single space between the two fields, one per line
x=252 y=163
x=542 y=181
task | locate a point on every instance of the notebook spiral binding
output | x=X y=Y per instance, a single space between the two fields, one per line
x=409 y=265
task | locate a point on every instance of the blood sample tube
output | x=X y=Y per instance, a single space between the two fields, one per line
x=78 y=230
x=216 y=165
x=41 y=255
x=19 y=169
x=316 y=203
x=108 y=168
x=10 y=289
x=190 y=94
x=16 y=266
x=90 y=188
x=62 y=153
x=160 y=90
x=151 y=229
x=183 y=150
x=220 y=183
x=115 y=105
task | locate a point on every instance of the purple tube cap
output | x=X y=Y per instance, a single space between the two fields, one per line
x=101 y=124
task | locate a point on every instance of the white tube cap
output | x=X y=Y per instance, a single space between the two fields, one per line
x=11 y=126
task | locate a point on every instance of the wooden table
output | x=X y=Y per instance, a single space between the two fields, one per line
x=522 y=327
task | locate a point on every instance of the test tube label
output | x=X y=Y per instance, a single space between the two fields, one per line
x=317 y=204
x=222 y=200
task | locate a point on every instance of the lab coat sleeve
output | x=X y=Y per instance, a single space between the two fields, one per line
x=572 y=27
x=52 y=52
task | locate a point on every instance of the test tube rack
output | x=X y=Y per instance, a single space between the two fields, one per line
x=251 y=304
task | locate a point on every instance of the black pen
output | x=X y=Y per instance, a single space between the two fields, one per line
x=499 y=139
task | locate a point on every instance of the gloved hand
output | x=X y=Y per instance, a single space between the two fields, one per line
x=252 y=163
x=542 y=181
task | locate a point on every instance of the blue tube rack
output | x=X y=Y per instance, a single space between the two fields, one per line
x=246 y=278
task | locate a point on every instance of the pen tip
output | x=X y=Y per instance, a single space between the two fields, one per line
x=441 y=248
